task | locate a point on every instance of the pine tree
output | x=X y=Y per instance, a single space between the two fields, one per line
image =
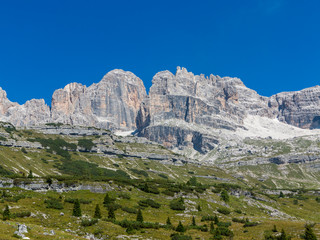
x=193 y=222
x=111 y=214
x=169 y=222
x=30 y=174
x=107 y=199
x=216 y=219
x=309 y=234
x=283 y=235
x=6 y=213
x=199 y=208
x=76 y=209
x=281 y=195
x=139 y=216
x=274 y=229
x=180 y=227
x=211 y=228
x=97 y=212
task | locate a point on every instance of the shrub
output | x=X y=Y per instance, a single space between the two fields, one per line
x=177 y=204
x=88 y=222
x=73 y=200
x=149 y=203
x=224 y=195
x=21 y=214
x=250 y=224
x=129 y=210
x=86 y=144
x=176 y=236
x=139 y=172
x=224 y=210
x=124 y=196
x=207 y=218
x=53 y=203
x=238 y=220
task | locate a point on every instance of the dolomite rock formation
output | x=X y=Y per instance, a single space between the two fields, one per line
x=32 y=112
x=112 y=103
x=300 y=108
x=182 y=109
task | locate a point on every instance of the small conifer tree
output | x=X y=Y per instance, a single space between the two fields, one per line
x=283 y=235
x=281 y=195
x=30 y=175
x=169 y=222
x=193 y=221
x=107 y=199
x=211 y=228
x=97 y=212
x=76 y=209
x=139 y=216
x=216 y=219
x=309 y=234
x=274 y=228
x=6 y=213
x=111 y=214
x=180 y=227
x=199 y=208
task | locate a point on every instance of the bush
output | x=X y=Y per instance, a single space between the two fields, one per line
x=177 y=204
x=86 y=144
x=224 y=195
x=148 y=188
x=88 y=222
x=124 y=196
x=139 y=172
x=224 y=210
x=149 y=203
x=129 y=210
x=53 y=203
x=250 y=224
x=73 y=200
x=207 y=218
x=224 y=224
x=238 y=220
x=21 y=214
x=176 y=236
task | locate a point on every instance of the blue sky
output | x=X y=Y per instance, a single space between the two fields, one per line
x=272 y=45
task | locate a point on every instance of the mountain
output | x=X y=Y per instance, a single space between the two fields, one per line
x=182 y=110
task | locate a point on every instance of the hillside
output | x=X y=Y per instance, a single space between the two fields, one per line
x=69 y=163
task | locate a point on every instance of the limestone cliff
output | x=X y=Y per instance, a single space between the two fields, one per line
x=181 y=110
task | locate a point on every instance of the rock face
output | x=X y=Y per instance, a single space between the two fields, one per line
x=32 y=112
x=112 y=103
x=182 y=109
x=301 y=108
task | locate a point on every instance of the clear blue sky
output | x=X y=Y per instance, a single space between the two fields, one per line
x=272 y=45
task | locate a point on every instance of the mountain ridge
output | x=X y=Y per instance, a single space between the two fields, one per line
x=174 y=104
